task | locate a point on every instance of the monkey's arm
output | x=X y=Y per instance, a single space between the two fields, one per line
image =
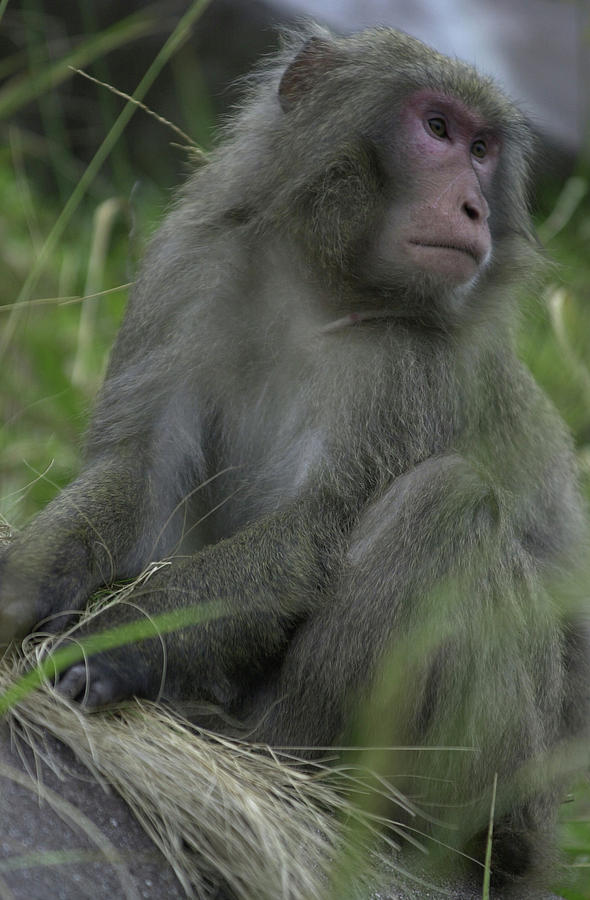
x=253 y=589
x=106 y=525
x=258 y=588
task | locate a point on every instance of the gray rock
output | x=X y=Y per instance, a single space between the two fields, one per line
x=61 y=847
x=59 y=840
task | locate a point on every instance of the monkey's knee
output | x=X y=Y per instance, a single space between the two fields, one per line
x=441 y=500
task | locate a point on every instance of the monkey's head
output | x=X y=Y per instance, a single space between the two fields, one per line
x=401 y=172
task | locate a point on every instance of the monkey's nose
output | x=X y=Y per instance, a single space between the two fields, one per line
x=476 y=208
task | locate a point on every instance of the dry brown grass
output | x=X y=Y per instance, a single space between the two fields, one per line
x=219 y=810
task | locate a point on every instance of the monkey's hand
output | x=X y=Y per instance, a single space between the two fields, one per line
x=123 y=655
x=111 y=676
x=38 y=578
x=17 y=607
x=139 y=669
x=17 y=618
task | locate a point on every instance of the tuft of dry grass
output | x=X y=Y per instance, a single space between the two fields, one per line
x=221 y=811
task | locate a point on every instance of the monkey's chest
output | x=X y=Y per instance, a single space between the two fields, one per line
x=280 y=444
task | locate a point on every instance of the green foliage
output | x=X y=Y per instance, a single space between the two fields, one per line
x=42 y=412
x=555 y=342
x=53 y=353
x=554 y=338
x=575 y=844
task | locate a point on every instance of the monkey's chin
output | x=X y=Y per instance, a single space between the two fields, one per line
x=453 y=265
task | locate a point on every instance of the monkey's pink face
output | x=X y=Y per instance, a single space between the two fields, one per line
x=441 y=172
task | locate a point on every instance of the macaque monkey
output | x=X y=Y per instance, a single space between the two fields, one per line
x=315 y=413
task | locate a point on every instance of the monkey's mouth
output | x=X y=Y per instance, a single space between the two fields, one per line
x=465 y=249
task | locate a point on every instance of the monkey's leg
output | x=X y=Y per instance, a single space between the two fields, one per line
x=442 y=634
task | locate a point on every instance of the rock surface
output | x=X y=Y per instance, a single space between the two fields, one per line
x=60 y=840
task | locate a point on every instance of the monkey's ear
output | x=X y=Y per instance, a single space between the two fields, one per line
x=314 y=59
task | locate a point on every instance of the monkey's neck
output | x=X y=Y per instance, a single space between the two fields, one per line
x=357 y=318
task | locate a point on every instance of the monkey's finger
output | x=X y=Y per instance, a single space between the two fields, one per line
x=72 y=684
x=92 y=684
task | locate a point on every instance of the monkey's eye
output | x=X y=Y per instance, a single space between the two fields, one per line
x=479 y=149
x=438 y=127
